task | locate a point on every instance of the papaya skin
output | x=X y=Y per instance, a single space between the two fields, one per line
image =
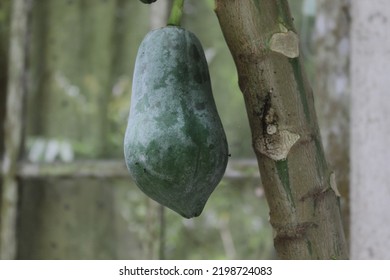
x=175 y=146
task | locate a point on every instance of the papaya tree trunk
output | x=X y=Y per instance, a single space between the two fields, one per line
x=301 y=190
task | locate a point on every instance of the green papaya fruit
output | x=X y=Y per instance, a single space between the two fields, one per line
x=175 y=145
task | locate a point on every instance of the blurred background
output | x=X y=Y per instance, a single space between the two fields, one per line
x=64 y=135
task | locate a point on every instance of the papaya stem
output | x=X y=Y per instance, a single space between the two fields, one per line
x=176 y=13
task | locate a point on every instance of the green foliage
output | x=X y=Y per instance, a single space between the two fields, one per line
x=5 y=10
x=234 y=225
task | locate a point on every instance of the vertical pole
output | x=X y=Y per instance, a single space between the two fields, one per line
x=13 y=128
x=370 y=130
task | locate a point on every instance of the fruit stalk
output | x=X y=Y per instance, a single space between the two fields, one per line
x=176 y=13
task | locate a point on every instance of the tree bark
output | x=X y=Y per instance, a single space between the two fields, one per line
x=300 y=189
x=370 y=130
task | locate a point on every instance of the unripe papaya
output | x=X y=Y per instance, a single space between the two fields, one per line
x=175 y=145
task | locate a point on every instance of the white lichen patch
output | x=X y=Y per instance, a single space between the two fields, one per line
x=333 y=184
x=272 y=129
x=277 y=146
x=286 y=43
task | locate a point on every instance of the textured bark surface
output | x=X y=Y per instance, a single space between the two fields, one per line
x=300 y=189
x=332 y=53
x=370 y=130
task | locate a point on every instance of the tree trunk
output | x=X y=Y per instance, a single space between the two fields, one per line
x=332 y=44
x=13 y=128
x=4 y=45
x=300 y=189
x=370 y=130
